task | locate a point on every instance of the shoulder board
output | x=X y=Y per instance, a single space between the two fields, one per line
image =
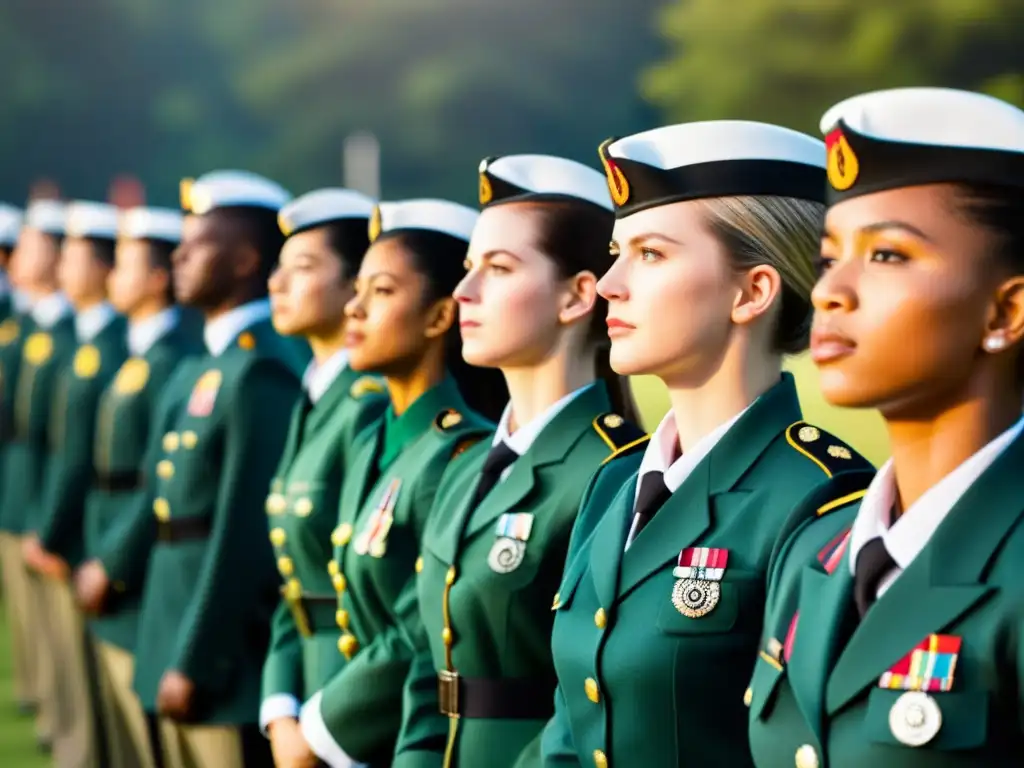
x=844 y=489
x=465 y=444
x=365 y=386
x=447 y=419
x=618 y=434
x=830 y=453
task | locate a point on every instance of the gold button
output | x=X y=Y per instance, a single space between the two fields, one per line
x=613 y=420
x=189 y=439
x=748 y=696
x=286 y=566
x=165 y=470
x=348 y=645
x=449 y=578
x=161 y=509
x=557 y=602
x=278 y=537
x=275 y=504
x=341 y=617
x=171 y=442
x=341 y=535
x=333 y=568
x=591 y=689
x=292 y=590
x=600 y=760
x=339 y=582
x=303 y=507
x=419 y=564
x=600 y=618
x=446 y=636
x=806 y=757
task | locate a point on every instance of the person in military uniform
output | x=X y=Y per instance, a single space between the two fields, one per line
x=327 y=233
x=210 y=587
x=902 y=643
x=402 y=323
x=109 y=583
x=660 y=606
x=46 y=351
x=496 y=539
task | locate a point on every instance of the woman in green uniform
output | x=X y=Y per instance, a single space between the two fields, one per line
x=903 y=645
x=401 y=323
x=496 y=542
x=327 y=237
x=660 y=606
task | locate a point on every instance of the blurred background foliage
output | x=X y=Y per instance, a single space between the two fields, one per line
x=160 y=90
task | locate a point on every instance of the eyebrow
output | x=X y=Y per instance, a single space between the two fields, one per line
x=488 y=255
x=881 y=226
x=633 y=241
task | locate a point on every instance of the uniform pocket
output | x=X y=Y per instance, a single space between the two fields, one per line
x=964 y=719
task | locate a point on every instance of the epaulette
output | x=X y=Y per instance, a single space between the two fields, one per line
x=618 y=433
x=830 y=453
x=365 y=386
x=447 y=419
x=846 y=488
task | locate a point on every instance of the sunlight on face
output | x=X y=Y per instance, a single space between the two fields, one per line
x=308 y=291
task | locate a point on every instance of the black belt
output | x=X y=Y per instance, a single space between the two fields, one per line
x=315 y=613
x=183 y=529
x=117 y=482
x=500 y=698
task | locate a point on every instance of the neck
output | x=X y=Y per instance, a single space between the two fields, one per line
x=407 y=389
x=146 y=310
x=83 y=305
x=212 y=313
x=738 y=380
x=325 y=344
x=925 y=450
x=535 y=389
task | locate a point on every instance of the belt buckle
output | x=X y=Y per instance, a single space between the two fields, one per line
x=448 y=692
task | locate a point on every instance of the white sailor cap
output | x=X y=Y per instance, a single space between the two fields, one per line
x=717 y=158
x=10 y=225
x=47 y=216
x=325 y=206
x=88 y=219
x=424 y=215
x=516 y=178
x=162 y=224
x=906 y=137
x=231 y=189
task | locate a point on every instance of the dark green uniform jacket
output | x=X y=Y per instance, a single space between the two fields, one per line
x=72 y=434
x=303 y=510
x=126 y=417
x=507 y=557
x=644 y=679
x=13 y=331
x=392 y=476
x=211 y=587
x=45 y=354
x=821 y=702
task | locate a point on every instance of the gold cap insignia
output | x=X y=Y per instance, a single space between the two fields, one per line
x=185 y=192
x=285 y=225
x=617 y=184
x=842 y=162
x=375 y=223
x=486 y=191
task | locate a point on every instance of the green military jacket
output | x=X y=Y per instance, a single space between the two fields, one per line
x=127 y=413
x=821 y=701
x=211 y=587
x=648 y=674
x=492 y=621
x=46 y=352
x=390 y=483
x=13 y=331
x=69 y=476
x=303 y=510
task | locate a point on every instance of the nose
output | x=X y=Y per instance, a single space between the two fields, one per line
x=467 y=290
x=275 y=284
x=836 y=289
x=612 y=285
x=354 y=307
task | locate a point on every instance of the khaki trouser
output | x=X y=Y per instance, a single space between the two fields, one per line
x=44 y=636
x=202 y=746
x=17 y=604
x=127 y=733
x=75 y=742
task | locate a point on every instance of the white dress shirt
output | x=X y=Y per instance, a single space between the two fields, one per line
x=50 y=310
x=89 y=323
x=143 y=334
x=21 y=300
x=220 y=332
x=318 y=378
x=907 y=536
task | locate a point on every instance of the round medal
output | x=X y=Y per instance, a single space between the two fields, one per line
x=695 y=598
x=915 y=718
x=506 y=555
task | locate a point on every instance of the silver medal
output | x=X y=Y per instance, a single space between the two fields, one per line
x=506 y=555
x=915 y=718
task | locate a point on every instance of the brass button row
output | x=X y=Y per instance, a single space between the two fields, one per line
x=277 y=504
x=162 y=509
x=172 y=440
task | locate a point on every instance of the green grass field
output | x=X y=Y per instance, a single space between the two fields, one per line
x=17 y=738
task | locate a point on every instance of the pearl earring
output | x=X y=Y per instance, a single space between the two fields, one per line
x=994 y=343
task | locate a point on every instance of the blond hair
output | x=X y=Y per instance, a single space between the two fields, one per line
x=780 y=232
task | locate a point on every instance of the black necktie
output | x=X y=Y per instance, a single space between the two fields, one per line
x=498 y=460
x=653 y=493
x=873 y=563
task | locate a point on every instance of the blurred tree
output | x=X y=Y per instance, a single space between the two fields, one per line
x=786 y=61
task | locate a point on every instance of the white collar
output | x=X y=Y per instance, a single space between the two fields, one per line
x=50 y=310
x=89 y=323
x=5 y=284
x=143 y=334
x=905 y=538
x=318 y=378
x=22 y=301
x=219 y=333
x=525 y=436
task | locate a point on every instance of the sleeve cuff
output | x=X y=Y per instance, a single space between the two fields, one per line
x=319 y=738
x=277 y=706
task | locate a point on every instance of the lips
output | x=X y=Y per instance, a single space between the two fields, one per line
x=618 y=327
x=828 y=346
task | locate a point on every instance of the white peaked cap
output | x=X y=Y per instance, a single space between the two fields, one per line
x=224 y=189
x=10 y=225
x=537 y=177
x=152 y=224
x=323 y=206
x=47 y=216
x=88 y=219
x=440 y=216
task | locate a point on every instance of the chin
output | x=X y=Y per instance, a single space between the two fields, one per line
x=843 y=391
x=626 y=364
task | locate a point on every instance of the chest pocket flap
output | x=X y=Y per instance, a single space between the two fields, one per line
x=964 y=719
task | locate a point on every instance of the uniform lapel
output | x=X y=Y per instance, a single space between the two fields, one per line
x=609 y=537
x=444 y=539
x=360 y=474
x=331 y=400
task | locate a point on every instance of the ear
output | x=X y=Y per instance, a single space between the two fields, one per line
x=579 y=298
x=759 y=286
x=441 y=317
x=1006 y=325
